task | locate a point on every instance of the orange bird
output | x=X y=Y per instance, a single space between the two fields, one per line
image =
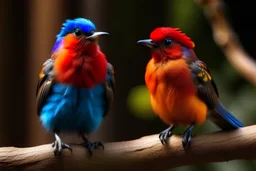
x=182 y=89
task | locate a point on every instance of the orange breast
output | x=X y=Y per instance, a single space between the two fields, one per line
x=173 y=93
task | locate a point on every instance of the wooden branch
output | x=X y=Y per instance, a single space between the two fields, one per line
x=144 y=153
x=226 y=38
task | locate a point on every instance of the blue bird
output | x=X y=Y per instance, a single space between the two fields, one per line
x=76 y=84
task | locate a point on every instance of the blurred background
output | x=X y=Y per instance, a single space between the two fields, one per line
x=27 y=35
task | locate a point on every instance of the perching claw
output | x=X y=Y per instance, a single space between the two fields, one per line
x=91 y=146
x=58 y=145
x=186 y=138
x=164 y=135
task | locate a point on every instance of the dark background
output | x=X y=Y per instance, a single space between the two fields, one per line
x=27 y=35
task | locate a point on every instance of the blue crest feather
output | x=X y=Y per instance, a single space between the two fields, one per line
x=69 y=26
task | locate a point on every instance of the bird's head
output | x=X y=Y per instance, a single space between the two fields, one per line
x=78 y=34
x=167 y=43
x=78 y=59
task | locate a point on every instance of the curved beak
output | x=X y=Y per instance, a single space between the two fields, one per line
x=96 y=34
x=148 y=42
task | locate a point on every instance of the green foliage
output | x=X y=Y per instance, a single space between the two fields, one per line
x=183 y=14
x=138 y=102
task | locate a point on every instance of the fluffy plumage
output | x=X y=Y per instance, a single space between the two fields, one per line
x=182 y=89
x=70 y=109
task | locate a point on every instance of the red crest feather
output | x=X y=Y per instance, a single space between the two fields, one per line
x=174 y=34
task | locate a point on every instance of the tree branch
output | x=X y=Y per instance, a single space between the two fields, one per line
x=226 y=38
x=146 y=152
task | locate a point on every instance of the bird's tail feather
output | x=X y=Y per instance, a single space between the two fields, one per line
x=224 y=119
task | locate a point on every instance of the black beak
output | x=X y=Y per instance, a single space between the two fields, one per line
x=96 y=34
x=148 y=42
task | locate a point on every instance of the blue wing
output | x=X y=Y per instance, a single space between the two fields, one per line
x=208 y=92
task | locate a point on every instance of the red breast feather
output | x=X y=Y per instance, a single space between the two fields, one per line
x=83 y=68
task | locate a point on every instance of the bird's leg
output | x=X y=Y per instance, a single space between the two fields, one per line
x=186 y=138
x=58 y=145
x=164 y=135
x=91 y=145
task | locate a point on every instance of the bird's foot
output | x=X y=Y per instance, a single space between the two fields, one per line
x=164 y=135
x=91 y=146
x=186 y=138
x=58 y=145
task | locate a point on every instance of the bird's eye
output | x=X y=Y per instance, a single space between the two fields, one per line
x=167 y=42
x=78 y=32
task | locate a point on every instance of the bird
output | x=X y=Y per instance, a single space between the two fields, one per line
x=76 y=84
x=182 y=89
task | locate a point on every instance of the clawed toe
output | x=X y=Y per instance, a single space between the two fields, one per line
x=164 y=135
x=187 y=136
x=91 y=146
x=186 y=140
x=58 y=146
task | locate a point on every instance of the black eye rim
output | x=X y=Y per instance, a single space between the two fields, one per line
x=78 y=32
x=167 y=42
